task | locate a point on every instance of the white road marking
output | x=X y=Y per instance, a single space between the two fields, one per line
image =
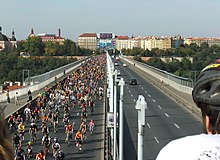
x=166 y=115
x=129 y=91
x=142 y=88
x=149 y=95
x=153 y=100
x=148 y=125
x=156 y=139
x=134 y=100
x=131 y=95
x=145 y=91
x=176 y=126
x=159 y=106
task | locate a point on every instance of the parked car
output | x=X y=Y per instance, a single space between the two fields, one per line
x=124 y=65
x=133 y=81
x=116 y=63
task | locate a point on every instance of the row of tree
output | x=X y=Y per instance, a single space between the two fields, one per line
x=11 y=66
x=201 y=56
x=35 y=47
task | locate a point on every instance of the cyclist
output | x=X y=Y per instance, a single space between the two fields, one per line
x=69 y=131
x=40 y=155
x=91 y=105
x=19 y=120
x=44 y=128
x=55 y=121
x=91 y=126
x=27 y=112
x=11 y=123
x=59 y=155
x=79 y=138
x=65 y=120
x=29 y=149
x=55 y=146
x=84 y=114
x=16 y=141
x=46 y=143
x=33 y=131
x=21 y=129
x=20 y=154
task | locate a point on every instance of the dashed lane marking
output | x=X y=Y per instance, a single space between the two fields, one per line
x=149 y=95
x=153 y=100
x=145 y=91
x=166 y=115
x=159 y=106
x=156 y=139
x=148 y=125
x=176 y=125
x=132 y=95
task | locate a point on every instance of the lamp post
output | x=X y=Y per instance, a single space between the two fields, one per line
x=141 y=106
x=121 y=113
x=115 y=113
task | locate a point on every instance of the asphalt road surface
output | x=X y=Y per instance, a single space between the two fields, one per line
x=165 y=119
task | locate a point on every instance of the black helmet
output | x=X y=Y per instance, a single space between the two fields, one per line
x=207 y=87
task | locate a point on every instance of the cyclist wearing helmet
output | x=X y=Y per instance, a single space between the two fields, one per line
x=55 y=145
x=206 y=146
x=40 y=155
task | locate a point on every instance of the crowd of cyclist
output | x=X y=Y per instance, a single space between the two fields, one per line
x=79 y=90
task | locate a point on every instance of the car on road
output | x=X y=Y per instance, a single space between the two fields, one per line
x=133 y=81
x=116 y=63
x=124 y=65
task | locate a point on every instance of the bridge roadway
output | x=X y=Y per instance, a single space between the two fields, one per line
x=166 y=116
x=92 y=149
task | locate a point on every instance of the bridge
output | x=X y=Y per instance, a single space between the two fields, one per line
x=168 y=115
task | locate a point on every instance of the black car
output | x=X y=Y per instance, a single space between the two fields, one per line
x=133 y=81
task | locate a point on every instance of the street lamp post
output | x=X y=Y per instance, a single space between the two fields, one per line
x=141 y=106
x=121 y=112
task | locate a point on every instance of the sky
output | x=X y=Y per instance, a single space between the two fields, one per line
x=189 y=18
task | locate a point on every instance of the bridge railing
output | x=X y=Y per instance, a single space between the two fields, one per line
x=179 y=83
x=43 y=80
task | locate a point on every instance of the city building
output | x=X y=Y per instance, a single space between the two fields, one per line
x=88 y=41
x=7 y=43
x=46 y=37
x=177 y=41
x=199 y=41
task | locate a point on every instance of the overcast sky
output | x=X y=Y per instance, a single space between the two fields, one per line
x=196 y=18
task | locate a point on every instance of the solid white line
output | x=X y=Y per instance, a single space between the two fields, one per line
x=154 y=100
x=176 y=126
x=166 y=115
x=156 y=139
x=149 y=95
x=148 y=125
x=159 y=106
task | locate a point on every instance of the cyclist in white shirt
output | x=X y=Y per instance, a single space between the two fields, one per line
x=205 y=146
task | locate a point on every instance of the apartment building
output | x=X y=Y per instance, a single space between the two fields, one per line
x=199 y=41
x=88 y=41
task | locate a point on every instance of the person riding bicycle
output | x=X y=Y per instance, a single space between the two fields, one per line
x=91 y=126
x=16 y=140
x=40 y=155
x=20 y=154
x=19 y=119
x=21 y=129
x=79 y=138
x=11 y=122
x=33 y=131
x=46 y=142
x=29 y=149
x=45 y=129
x=55 y=145
x=84 y=115
x=60 y=155
x=69 y=130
